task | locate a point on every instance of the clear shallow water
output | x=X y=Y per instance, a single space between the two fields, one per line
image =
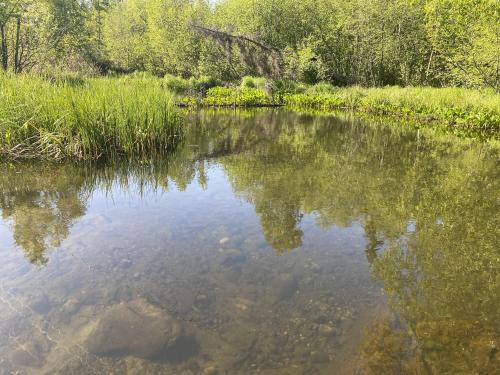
x=267 y=243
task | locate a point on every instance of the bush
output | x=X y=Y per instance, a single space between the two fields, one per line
x=303 y=64
x=283 y=87
x=250 y=82
x=203 y=84
x=193 y=85
x=177 y=85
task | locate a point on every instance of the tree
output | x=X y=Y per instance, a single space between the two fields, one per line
x=465 y=35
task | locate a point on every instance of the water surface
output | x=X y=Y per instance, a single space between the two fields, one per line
x=272 y=243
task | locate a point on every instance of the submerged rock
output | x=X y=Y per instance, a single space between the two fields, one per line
x=284 y=287
x=327 y=330
x=315 y=268
x=135 y=328
x=319 y=357
x=233 y=258
x=210 y=370
x=71 y=306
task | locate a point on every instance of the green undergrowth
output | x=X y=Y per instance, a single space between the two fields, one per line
x=469 y=113
x=81 y=119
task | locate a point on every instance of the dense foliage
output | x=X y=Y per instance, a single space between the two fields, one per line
x=367 y=42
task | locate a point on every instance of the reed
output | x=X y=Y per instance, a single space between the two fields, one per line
x=68 y=118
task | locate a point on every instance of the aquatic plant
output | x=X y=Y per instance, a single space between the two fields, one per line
x=242 y=97
x=57 y=119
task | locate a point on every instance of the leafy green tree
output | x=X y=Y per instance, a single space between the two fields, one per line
x=466 y=40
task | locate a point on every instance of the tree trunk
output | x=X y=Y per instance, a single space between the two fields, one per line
x=5 y=56
x=17 y=65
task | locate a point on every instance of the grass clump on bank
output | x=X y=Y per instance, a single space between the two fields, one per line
x=191 y=86
x=237 y=97
x=85 y=118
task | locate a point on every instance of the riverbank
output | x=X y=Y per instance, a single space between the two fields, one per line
x=70 y=117
x=466 y=113
x=463 y=112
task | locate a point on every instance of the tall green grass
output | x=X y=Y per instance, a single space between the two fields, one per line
x=85 y=119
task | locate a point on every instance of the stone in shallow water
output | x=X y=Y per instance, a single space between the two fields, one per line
x=233 y=258
x=284 y=287
x=134 y=328
x=319 y=357
x=327 y=330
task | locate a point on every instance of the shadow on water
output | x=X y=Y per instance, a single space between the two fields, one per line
x=428 y=209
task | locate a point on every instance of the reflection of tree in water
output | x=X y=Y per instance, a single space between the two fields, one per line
x=334 y=169
x=443 y=275
x=429 y=210
x=41 y=203
x=280 y=226
x=374 y=244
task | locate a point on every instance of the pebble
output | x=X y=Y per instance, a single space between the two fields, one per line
x=71 y=306
x=319 y=357
x=224 y=240
x=284 y=287
x=202 y=300
x=315 y=268
x=210 y=370
x=233 y=257
x=327 y=330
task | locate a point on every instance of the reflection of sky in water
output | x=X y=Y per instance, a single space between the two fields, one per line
x=5 y=236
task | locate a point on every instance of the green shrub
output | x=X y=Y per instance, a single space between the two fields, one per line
x=177 y=85
x=250 y=82
x=193 y=85
x=281 y=87
x=61 y=78
x=203 y=84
